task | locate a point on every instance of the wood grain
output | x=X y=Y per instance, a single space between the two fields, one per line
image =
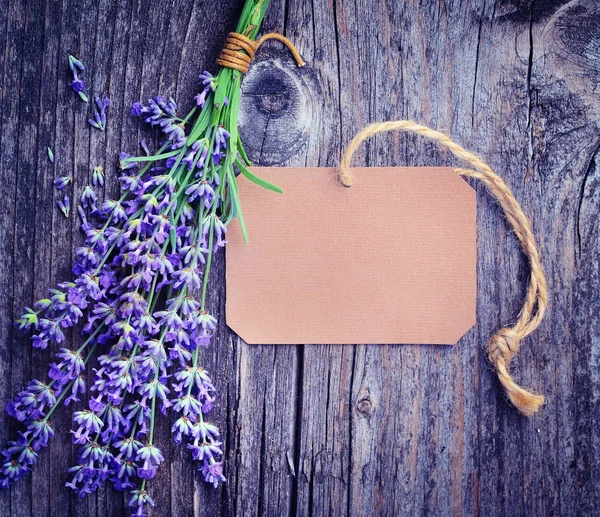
x=337 y=430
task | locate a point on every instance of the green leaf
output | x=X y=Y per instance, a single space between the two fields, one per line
x=242 y=152
x=236 y=203
x=221 y=91
x=152 y=158
x=255 y=179
x=173 y=240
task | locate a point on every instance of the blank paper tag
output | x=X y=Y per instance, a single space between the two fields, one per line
x=390 y=260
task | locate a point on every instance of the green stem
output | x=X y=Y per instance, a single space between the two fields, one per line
x=208 y=258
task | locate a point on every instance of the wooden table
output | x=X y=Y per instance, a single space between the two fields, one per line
x=337 y=430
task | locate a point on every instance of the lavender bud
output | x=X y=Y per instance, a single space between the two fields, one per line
x=99 y=120
x=75 y=64
x=65 y=206
x=98 y=176
x=89 y=198
x=62 y=182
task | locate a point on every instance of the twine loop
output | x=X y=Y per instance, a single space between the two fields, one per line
x=239 y=50
x=502 y=347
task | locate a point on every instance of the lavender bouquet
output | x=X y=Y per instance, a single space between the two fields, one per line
x=140 y=288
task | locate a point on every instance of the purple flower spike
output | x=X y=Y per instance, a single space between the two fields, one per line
x=162 y=113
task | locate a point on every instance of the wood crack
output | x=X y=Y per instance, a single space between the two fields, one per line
x=475 y=73
x=298 y=431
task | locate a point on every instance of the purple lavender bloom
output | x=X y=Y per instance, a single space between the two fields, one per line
x=75 y=64
x=213 y=472
x=88 y=198
x=137 y=108
x=221 y=137
x=151 y=458
x=207 y=79
x=77 y=84
x=162 y=113
x=98 y=176
x=88 y=422
x=124 y=162
x=201 y=98
x=140 y=500
x=99 y=120
x=144 y=146
x=64 y=205
x=62 y=182
x=210 y=85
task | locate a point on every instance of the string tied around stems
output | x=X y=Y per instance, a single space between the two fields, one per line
x=502 y=347
x=239 y=50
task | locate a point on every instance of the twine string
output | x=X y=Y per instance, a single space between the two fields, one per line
x=239 y=50
x=503 y=346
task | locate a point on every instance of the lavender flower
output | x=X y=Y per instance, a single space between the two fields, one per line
x=62 y=182
x=210 y=85
x=65 y=208
x=144 y=147
x=99 y=120
x=50 y=155
x=140 y=290
x=75 y=65
x=77 y=84
x=162 y=113
x=88 y=198
x=98 y=176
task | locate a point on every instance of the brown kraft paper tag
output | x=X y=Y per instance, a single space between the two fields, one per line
x=390 y=260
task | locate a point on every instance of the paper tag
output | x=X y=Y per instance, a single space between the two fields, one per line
x=390 y=260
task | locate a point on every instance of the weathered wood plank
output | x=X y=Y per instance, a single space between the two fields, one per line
x=337 y=430
x=17 y=242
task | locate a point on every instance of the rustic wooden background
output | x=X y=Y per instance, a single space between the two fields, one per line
x=338 y=430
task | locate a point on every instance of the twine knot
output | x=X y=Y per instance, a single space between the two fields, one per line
x=239 y=50
x=505 y=344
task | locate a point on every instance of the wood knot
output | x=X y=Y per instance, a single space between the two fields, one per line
x=576 y=30
x=572 y=42
x=366 y=406
x=274 y=114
